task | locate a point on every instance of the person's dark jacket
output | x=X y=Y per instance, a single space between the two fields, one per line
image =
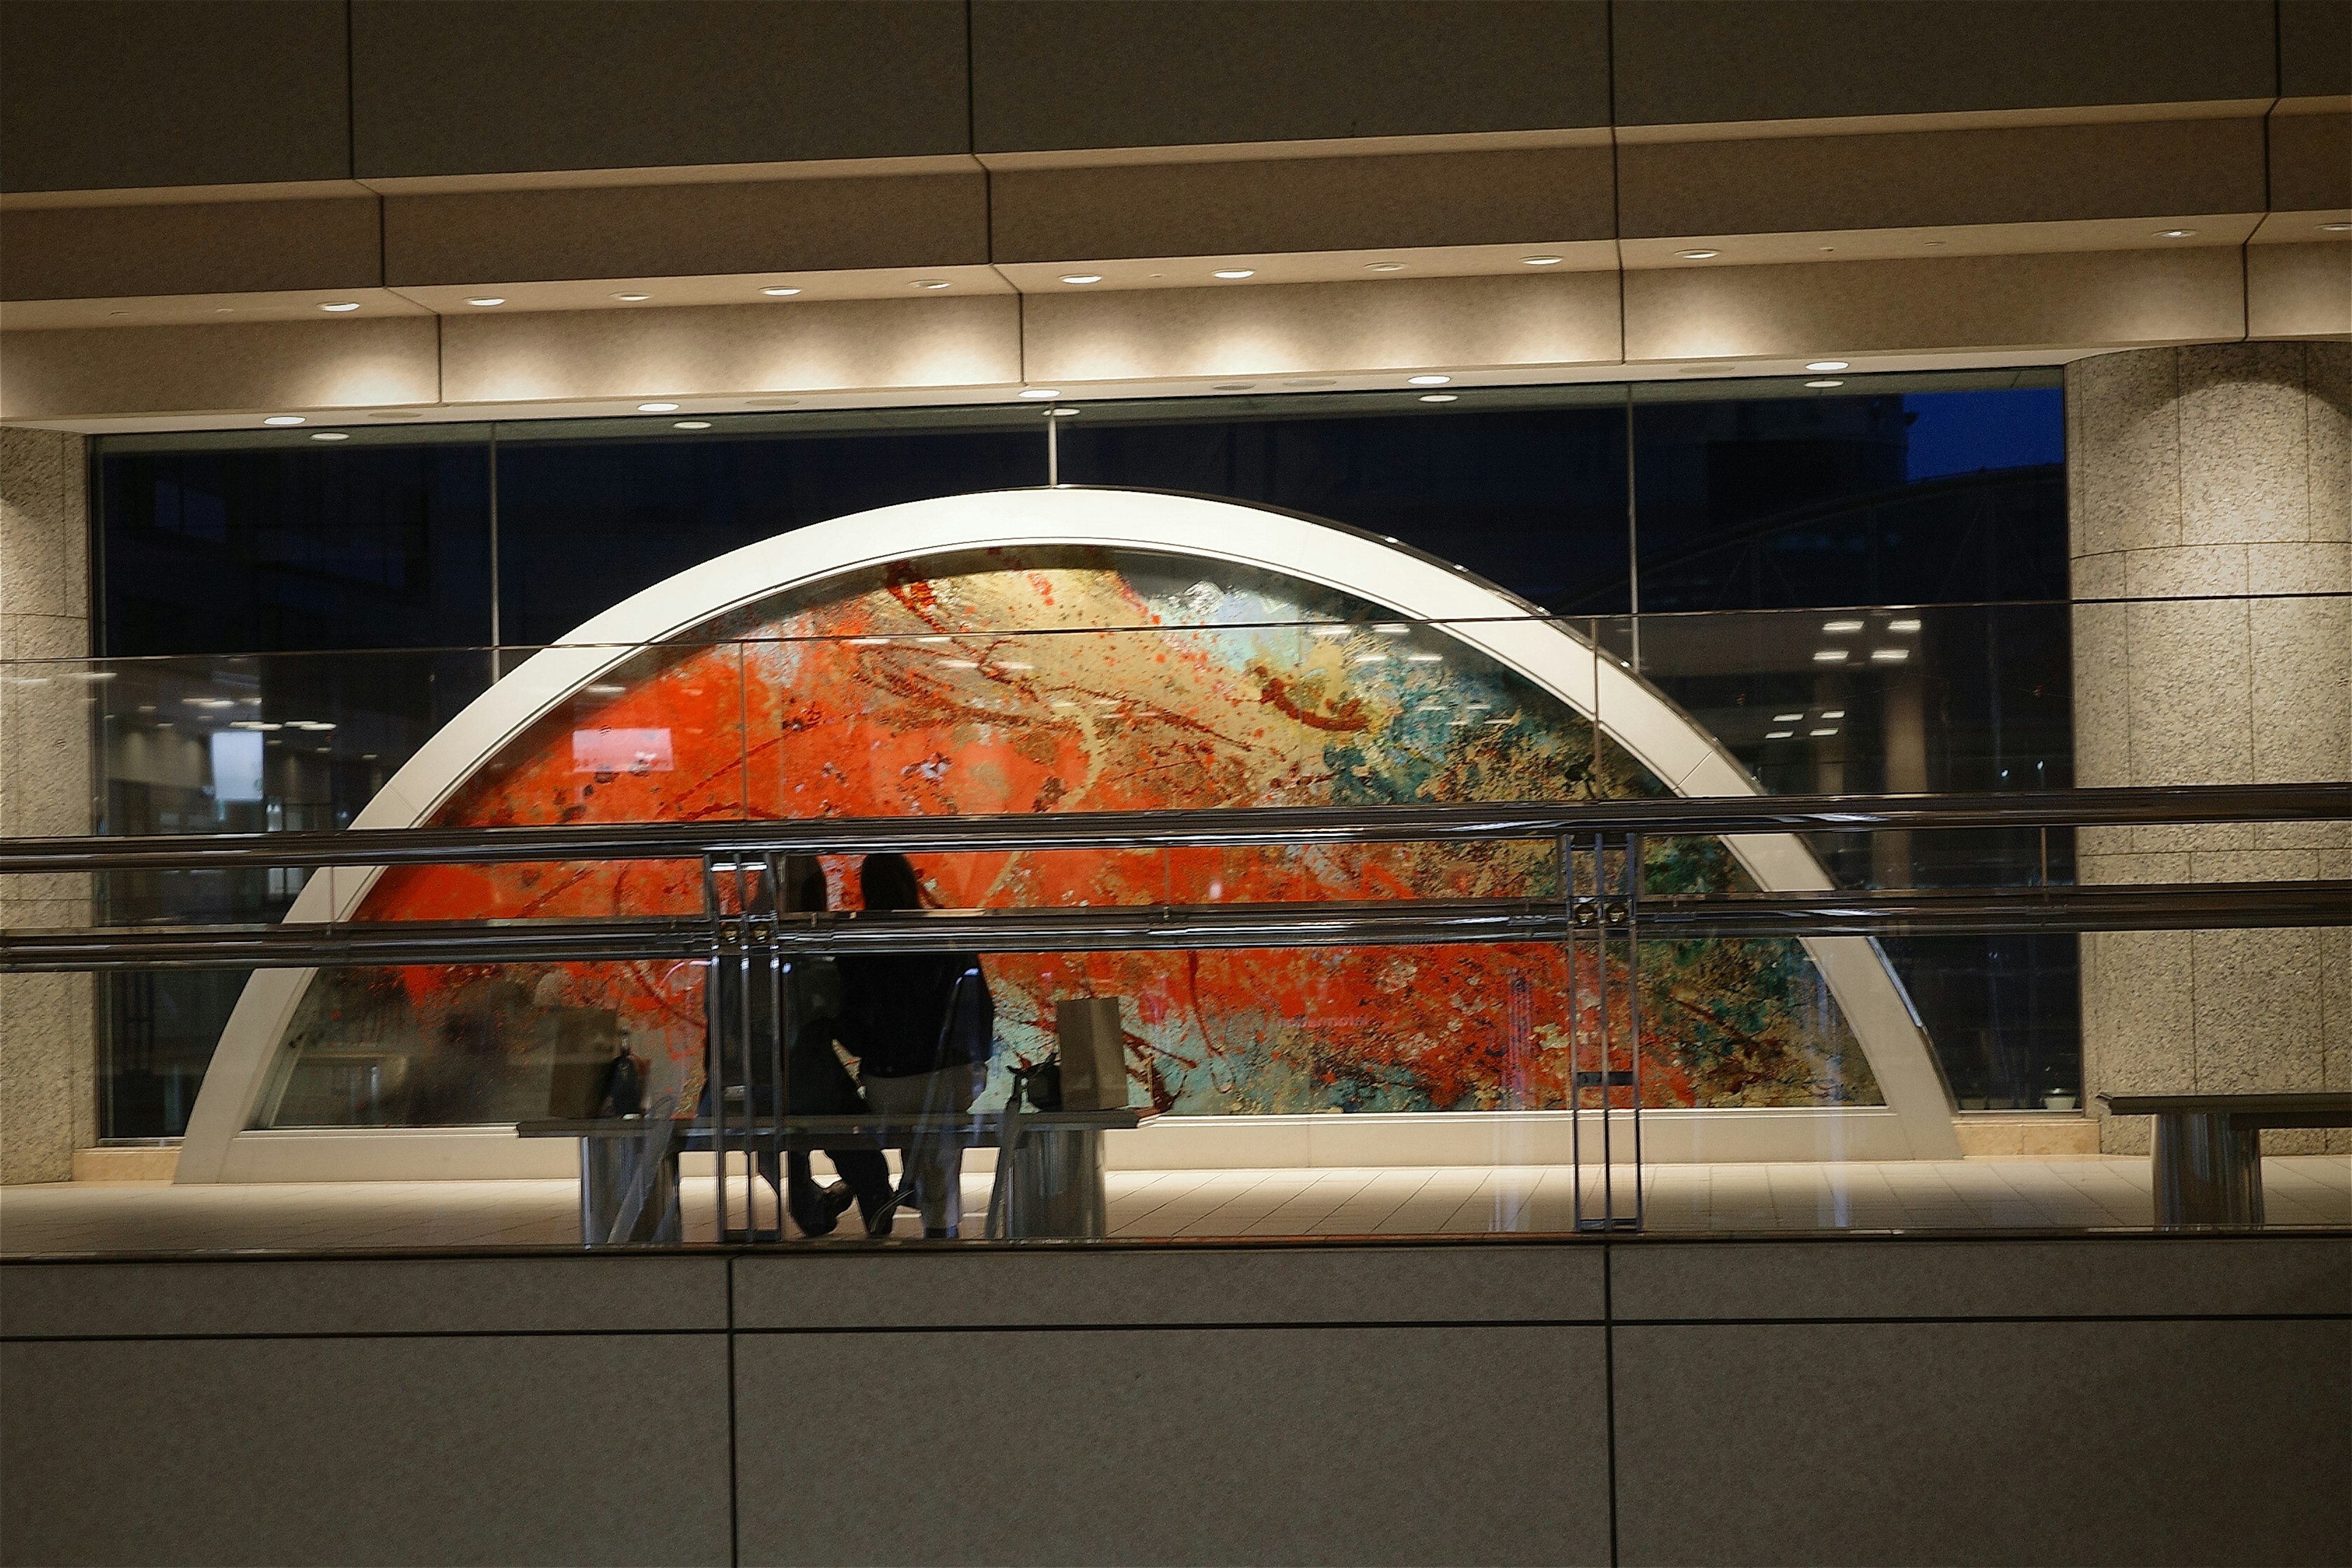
x=895 y=1011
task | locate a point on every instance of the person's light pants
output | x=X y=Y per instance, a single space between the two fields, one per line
x=934 y=1160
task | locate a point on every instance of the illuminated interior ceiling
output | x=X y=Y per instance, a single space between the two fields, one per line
x=726 y=596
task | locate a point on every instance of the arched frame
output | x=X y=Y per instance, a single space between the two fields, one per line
x=1635 y=715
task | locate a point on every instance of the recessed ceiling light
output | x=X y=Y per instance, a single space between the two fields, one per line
x=1234 y=273
x=1698 y=254
x=1039 y=392
x=1437 y=397
x=1779 y=734
x=1903 y=626
x=656 y=407
x=487 y=300
x=1383 y=266
x=633 y=298
x=1823 y=385
x=1827 y=364
x=231 y=310
x=1817 y=733
x=2174 y=233
x=330 y=435
x=1540 y=260
x=2335 y=228
x=780 y=293
x=1786 y=717
x=1082 y=276
x=1889 y=654
x=285 y=419
x=1841 y=628
x=1062 y=413
x=1427 y=380
x=1833 y=713
x=929 y=283
x=1831 y=655
x=341 y=305
x=691 y=425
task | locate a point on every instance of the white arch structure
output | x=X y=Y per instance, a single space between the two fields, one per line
x=1916 y=1122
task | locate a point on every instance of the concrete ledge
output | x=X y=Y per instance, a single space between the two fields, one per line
x=146 y=1164
x=2044 y=1136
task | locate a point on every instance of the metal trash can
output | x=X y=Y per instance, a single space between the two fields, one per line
x=617 y=1170
x=1055 y=1184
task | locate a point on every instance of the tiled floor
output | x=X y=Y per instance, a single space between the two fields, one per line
x=2005 y=1194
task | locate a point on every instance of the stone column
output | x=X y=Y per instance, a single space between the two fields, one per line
x=2201 y=481
x=48 y=1103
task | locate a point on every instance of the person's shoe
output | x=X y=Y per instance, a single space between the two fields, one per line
x=937 y=1233
x=838 y=1197
x=814 y=1211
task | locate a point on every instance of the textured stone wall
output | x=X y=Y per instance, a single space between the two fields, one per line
x=48 y=1041
x=2201 y=481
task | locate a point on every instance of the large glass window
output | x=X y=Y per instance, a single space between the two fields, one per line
x=333 y=601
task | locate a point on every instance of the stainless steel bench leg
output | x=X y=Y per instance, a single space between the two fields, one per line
x=2209 y=1170
x=1055 y=1184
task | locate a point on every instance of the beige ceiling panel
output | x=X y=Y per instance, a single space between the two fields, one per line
x=1462 y=324
x=646 y=231
x=732 y=350
x=2311 y=161
x=213 y=248
x=1397 y=264
x=2100 y=299
x=1552 y=194
x=2299 y=290
x=2183 y=231
x=292 y=366
x=2010 y=174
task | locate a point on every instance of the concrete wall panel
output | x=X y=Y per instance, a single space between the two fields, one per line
x=1317 y=1285
x=1536 y=195
x=1688 y=62
x=1175 y=73
x=663 y=231
x=191 y=247
x=1984 y=1442
x=724 y=350
x=565 y=1449
x=1436 y=1445
x=2016 y=301
x=499 y=85
x=1917 y=179
x=1317 y=329
x=114 y=94
x=307 y=364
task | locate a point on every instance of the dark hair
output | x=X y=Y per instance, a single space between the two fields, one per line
x=888 y=882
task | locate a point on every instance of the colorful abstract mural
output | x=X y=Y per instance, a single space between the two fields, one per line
x=1065 y=680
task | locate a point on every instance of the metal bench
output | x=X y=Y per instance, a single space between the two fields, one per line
x=2209 y=1148
x=1049 y=1183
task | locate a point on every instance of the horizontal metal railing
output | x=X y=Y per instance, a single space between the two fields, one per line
x=1098 y=927
x=1212 y=827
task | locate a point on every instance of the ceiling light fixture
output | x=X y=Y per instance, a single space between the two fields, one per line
x=1387 y=266
x=1061 y=413
x=487 y=300
x=2335 y=228
x=1841 y=628
x=1779 y=734
x=1438 y=397
x=1082 y=276
x=1427 y=380
x=633 y=298
x=691 y=425
x=1831 y=655
x=1818 y=734
x=1823 y=385
x=1540 y=260
x=1235 y=274
x=2175 y=233
x=1833 y=712
x=1827 y=364
x=1786 y=717
x=285 y=419
x=1889 y=654
x=1698 y=254
x=656 y=407
x=780 y=293
x=340 y=306
x=929 y=283
x=330 y=436
x=1039 y=392
x=1909 y=623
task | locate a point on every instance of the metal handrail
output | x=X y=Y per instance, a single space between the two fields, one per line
x=1222 y=827
x=1162 y=927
